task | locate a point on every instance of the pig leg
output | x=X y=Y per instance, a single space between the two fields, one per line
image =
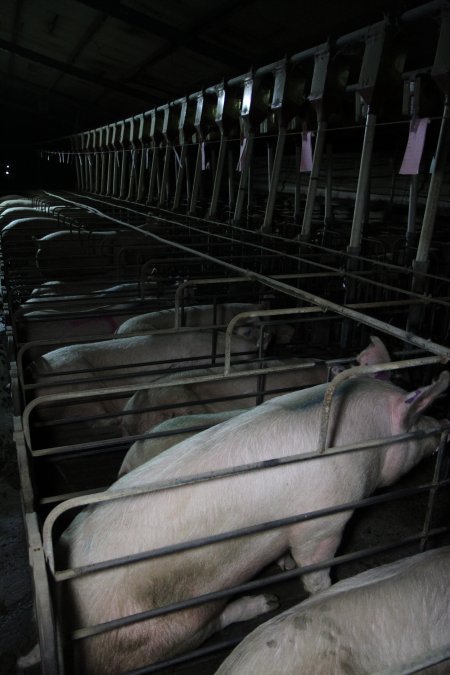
x=315 y=551
x=246 y=608
x=242 y=609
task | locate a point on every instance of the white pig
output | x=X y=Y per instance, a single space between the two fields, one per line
x=14 y=201
x=216 y=395
x=376 y=620
x=147 y=448
x=123 y=361
x=363 y=408
x=22 y=230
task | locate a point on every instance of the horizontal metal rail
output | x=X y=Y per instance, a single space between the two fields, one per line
x=180 y=482
x=309 y=297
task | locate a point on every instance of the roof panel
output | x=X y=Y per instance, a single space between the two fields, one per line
x=54 y=27
x=115 y=50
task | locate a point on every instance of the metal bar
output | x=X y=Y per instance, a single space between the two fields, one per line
x=434 y=189
x=362 y=370
x=243 y=182
x=274 y=177
x=212 y=213
x=363 y=180
x=313 y=179
x=295 y=292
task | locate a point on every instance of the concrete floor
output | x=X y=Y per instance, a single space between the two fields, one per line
x=17 y=633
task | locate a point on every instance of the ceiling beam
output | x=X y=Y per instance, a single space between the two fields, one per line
x=49 y=62
x=85 y=40
x=178 y=37
x=15 y=31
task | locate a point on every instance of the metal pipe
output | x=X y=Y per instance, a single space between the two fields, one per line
x=212 y=212
x=245 y=172
x=434 y=189
x=184 y=481
x=274 y=178
x=180 y=178
x=313 y=180
x=428 y=345
x=362 y=370
x=363 y=181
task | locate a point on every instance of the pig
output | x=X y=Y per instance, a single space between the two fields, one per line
x=143 y=450
x=123 y=361
x=198 y=315
x=22 y=230
x=363 y=408
x=203 y=315
x=14 y=201
x=17 y=212
x=216 y=395
x=62 y=253
x=380 y=619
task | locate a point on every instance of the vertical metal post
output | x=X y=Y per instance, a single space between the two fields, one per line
x=125 y=160
x=87 y=162
x=434 y=189
x=164 y=186
x=155 y=156
x=246 y=151
x=199 y=97
x=298 y=185
x=412 y=206
x=132 y=183
x=231 y=192
x=181 y=168
x=98 y=156
x=218 y=177
x=313 y=180
x=142 y=158
x=243 y=182
x=74 y=145
x=104 y=161
x=329 y=184
x=274 y=180
x=363 y=182
x=111 y=159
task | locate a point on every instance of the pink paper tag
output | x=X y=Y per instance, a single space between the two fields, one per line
x=242 y=154
x=414 y=146
x=306 y=159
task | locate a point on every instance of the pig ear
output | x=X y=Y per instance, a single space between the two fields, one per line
x=417 y=401
x=376 y=352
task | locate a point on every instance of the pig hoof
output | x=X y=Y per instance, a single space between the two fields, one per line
x=247 y=608
x=287 y=562
x=272 y=602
